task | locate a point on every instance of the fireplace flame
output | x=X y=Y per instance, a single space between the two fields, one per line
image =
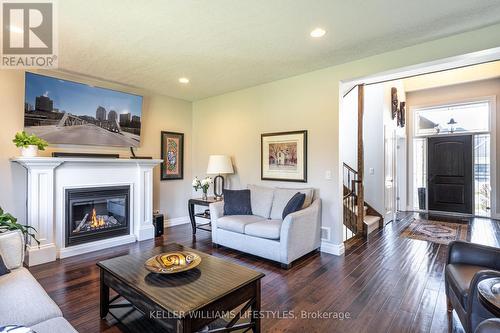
x=96 y=222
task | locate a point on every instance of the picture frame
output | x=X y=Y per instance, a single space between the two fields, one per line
x=283 y=156
x=172 y=154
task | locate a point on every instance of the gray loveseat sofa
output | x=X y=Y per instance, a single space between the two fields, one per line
x=23 y=301
x=264 y=233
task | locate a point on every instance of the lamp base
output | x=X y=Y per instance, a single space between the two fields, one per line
x=218 y=182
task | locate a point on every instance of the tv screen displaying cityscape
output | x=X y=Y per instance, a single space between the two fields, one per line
x=66 y=112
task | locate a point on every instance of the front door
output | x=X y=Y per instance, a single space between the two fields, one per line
x=450 y=180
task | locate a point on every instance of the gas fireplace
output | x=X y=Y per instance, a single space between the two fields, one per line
x=96 y=213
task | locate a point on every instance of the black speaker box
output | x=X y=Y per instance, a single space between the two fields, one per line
x=158 y=224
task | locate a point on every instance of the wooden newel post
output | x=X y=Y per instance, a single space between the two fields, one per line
x=361 y=165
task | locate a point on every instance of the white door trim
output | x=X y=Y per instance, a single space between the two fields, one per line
x=491 y=99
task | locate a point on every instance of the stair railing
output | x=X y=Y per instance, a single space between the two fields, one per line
x=351 y=189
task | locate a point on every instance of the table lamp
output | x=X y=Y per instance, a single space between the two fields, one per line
x=219 y=165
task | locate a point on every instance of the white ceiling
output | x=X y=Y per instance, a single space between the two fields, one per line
x=226 y=45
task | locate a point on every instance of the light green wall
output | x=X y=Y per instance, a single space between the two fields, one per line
x=232 y=123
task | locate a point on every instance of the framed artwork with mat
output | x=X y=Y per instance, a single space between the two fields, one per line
x=284 y=156
x=172 y=154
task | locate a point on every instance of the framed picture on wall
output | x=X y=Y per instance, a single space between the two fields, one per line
x=172 y=154
x=284 y=156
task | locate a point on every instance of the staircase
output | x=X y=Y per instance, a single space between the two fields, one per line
x=364 y=222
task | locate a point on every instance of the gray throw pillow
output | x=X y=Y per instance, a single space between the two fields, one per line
x=3 y=269
x=294 y=204
x=237 y=202
x=15 y=329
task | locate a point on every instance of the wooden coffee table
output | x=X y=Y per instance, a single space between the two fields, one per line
x=183 y=302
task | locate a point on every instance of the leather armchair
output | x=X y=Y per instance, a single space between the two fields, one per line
x=467 y=265
x=489 y=326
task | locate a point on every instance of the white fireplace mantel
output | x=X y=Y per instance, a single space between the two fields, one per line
x=49 y=177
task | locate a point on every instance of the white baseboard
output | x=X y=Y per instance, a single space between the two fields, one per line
x=176 y=221
x=335 y=249
x=36 y=255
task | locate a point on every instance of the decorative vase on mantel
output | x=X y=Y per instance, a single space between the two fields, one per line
x=30 y=144
x=29 y=151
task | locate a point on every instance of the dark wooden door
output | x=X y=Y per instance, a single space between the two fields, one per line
x=450 y=182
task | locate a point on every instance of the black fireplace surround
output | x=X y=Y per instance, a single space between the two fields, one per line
x=96 y=213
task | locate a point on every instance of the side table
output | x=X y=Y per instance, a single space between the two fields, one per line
x=192 y=216
x=489 y=295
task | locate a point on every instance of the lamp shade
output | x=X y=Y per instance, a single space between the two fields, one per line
x=219 y=164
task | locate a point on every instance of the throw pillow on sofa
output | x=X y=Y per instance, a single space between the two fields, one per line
x=3 y=269
x=15 y=329
x=294 y=204
x=281 y=198
x=308 y=191
x=261 y=198
x=237 y=202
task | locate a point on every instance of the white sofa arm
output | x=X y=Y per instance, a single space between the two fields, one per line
x=216 y=212
x=12 y=248
x=301 y=232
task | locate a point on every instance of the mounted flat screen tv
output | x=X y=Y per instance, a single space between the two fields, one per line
x=66 y=112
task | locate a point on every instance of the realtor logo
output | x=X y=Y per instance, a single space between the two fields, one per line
x=28 y=35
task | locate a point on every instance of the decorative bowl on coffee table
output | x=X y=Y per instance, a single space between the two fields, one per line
x=172 y=262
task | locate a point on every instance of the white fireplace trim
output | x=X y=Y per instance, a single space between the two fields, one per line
x=47 y=180
x=95 y=246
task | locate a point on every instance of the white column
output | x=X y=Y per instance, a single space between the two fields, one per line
x=40 y=211
x=143 y=197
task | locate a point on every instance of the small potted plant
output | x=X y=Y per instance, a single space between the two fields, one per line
x=29 y=144
x=203 y=184
x=13 y=236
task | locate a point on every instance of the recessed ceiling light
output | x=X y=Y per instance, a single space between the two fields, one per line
x=184 y=80
x=318 y=32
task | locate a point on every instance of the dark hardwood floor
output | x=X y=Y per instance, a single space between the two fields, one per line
x=386 y=283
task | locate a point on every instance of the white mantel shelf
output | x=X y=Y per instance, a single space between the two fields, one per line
x=48 y=178
x=60 y=160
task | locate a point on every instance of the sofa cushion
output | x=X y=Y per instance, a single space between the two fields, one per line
x=281 y=198
x=269 y=229
x=460 y=277
x=237 y=202
x=23 y=301
x=237 y=223
x=54 y=325
x=309 y=192
x=294 y=204
x=3 y=269
x=261 y=200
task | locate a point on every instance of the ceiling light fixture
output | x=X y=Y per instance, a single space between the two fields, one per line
x=184 y=80
x=318 y=32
